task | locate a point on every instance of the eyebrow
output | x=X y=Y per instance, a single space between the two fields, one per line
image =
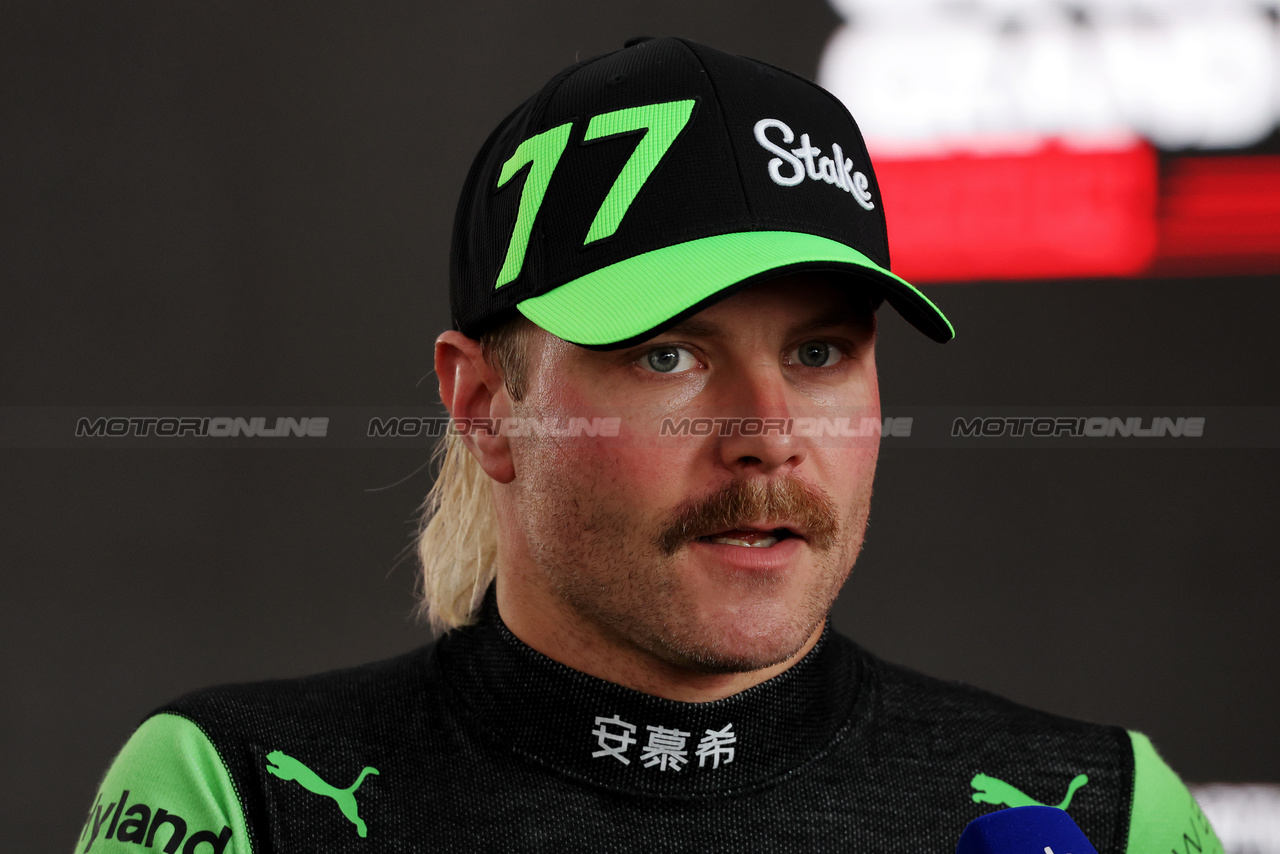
x=703 y=328
x=696 y=327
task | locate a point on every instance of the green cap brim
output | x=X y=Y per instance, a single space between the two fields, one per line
x=627 y=302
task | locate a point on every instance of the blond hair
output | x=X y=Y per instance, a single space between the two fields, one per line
x=458 y=534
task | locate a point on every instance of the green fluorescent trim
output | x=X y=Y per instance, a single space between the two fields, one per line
x=1164 y=816
x=662 y=123
x=167 y=790
x=625 y=299
x=543 y=151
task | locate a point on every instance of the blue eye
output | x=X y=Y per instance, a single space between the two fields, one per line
x=668 y=360
x=817 y=354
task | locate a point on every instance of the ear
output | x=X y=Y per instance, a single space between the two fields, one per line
x=473 y=391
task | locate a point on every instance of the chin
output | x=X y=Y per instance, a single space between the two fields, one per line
x=741 y=639
x=711 y=659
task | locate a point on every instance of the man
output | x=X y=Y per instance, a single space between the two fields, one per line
x=665 y=271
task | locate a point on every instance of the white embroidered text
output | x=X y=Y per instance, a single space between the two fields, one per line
x=808 y=161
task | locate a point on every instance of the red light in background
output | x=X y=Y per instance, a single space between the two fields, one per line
x=1057 y=213
x=1219 y=215
x=1049 y=214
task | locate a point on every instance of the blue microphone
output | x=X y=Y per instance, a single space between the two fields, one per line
x=1024 y=830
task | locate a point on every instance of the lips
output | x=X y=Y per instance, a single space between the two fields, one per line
x=756 y=538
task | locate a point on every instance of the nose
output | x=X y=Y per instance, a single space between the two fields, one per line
x=756 y=437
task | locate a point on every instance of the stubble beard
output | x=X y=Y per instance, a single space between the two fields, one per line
x=625 y=581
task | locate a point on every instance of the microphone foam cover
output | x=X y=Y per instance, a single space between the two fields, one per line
x=1024 y=830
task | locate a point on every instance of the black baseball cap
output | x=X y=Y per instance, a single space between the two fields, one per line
x=637 y=188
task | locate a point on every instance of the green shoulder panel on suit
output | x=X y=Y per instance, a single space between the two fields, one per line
x=1164 y=817
x=167 y=790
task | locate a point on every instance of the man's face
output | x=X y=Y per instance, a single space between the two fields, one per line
x=717 y=553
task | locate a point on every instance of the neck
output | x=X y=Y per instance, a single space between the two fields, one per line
x=632 y=742
x=547 y=624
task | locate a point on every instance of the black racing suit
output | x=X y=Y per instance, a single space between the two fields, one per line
x=479 y=743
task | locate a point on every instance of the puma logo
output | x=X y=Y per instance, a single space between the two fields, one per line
x=989 y=790
x=287 y=768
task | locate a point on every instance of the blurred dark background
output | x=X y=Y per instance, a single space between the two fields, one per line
x=245 y=204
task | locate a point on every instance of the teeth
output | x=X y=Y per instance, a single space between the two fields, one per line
x=758 y=544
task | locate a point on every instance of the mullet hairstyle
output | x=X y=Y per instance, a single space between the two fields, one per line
x=457 y=539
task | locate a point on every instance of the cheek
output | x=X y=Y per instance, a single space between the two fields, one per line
x=630 y=458
x=597 y=471
x=647 y=477
x=848 y=473
x=627 y=472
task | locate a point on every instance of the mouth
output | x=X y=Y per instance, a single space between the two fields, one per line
x=751 y=538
